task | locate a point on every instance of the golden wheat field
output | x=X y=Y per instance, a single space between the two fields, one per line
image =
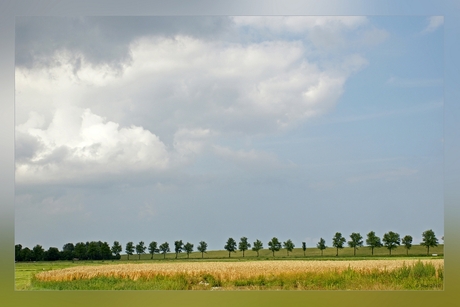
x=223 y=270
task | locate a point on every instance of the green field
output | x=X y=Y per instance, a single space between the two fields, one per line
x=416 y=250
x=24 y=272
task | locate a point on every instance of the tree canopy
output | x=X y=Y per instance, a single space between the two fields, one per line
x=257 y=246
x=140 y=249
x=274 y=245
x=391 y=240
x=356 y=241
x=373 y=241
x=244 y=245
x=129 y=249
x=407 y=242
x=202 y=247
x=321 y=245
x=338 y=241
x=289 y=246
x=429 y=240
x=178 y=246
x=164 y=248
x=188 y=248
x=230 y=246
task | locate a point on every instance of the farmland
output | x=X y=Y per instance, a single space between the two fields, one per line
x=217 y=272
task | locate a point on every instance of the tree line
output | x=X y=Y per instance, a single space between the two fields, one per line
x=103 y=251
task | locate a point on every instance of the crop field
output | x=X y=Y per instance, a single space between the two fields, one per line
x=217 y=271
x=389 y=274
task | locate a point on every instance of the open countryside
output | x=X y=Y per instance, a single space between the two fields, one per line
x=300 y=270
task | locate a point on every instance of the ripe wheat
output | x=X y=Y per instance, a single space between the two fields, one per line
x=229 y=271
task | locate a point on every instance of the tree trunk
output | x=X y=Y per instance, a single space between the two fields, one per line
x=202 y=255
x=337 y=253
x=164 y=255
x=354 y=252
x=257 y=253
x=372 y=248
x=428 y=250
x=243 y=253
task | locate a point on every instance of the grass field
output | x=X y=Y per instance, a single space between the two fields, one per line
x=218 y=272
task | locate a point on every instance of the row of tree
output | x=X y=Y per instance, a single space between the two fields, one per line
x=102 y=251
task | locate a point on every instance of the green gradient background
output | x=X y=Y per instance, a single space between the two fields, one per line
x=450 y=9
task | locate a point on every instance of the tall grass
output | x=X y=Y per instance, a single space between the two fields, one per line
x=416 y=276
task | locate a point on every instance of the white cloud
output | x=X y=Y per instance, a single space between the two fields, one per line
x=172 y=97
x=190 y=142
x=434 y=23
x=78 y=142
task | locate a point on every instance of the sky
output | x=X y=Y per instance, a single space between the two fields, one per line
x=204 y=128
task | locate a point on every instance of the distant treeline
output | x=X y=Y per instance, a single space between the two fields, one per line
x=103 y=251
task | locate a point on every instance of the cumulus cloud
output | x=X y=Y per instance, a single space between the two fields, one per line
x=434 y=23
x=78 y=142
x=78 y=115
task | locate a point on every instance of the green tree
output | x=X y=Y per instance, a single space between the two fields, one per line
x=140 y=249
x=257 y=246
x=202 y=247
x=26 y=254
x=178 y=246
x=289 y=246
x=116 y=249
x=230 y=246
x=244 y=245
x=106 y=253
x=429 y=240
x=407 y=242
x=93 y=251
x=164 y=248
x=67 y=251
x=274 y=245
x=17 y=252
x=129 y=249
x=321 y=245
x=356 y=241
x=153 y=248
x=52 y=254
x=391 y=240
x=304 y=247
x=338 y=241
x=188 y=248
x=80 y=250
x=373 y=241
x=38 y=252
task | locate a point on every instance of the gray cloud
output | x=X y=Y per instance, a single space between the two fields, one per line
x=102 y=39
